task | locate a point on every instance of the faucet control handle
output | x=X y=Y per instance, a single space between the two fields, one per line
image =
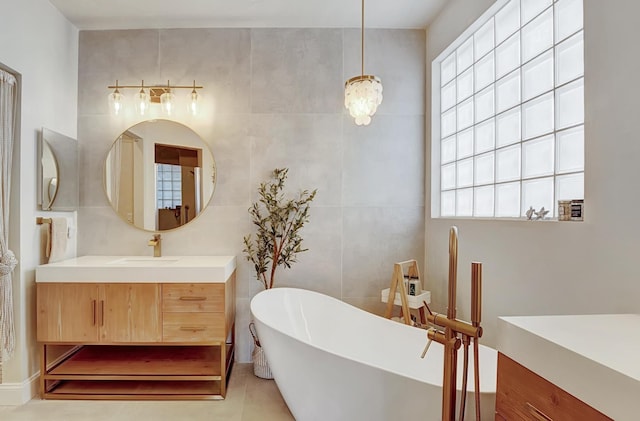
x=426 y=348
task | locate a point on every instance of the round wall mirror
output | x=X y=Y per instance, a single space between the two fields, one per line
x=159 y=175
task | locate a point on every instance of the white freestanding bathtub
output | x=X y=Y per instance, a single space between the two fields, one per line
x=332 y=361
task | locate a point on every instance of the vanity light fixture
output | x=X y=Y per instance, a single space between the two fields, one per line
x=153 y=94
x=362 y=94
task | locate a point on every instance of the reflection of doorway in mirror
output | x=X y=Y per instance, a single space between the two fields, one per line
x=177 y=185
x=180 y=144
x=119 y=185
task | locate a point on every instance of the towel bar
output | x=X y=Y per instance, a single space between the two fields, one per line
x=40 y=220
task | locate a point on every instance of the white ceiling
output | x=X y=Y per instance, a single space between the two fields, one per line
x=128 y=14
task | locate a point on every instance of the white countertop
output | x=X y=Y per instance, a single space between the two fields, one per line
x=596 y=358
x=138 y=269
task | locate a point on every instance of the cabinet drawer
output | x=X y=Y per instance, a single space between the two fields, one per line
x=193 y=297
x=522 y=394
x=193 y=327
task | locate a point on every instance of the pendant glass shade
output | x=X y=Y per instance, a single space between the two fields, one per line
x=362 y=95
x=141 y=101
x=115 y=102
x=167 y=100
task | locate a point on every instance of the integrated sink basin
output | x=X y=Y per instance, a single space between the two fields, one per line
x=138 y=269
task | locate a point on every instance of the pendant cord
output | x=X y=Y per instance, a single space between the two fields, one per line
x=362 y=39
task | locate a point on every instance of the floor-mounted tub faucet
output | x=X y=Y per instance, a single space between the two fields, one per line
x=156 y=242
x=454 y=333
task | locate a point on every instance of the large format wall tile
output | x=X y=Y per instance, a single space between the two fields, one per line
x=310 y=145
x=272 y=98
x=128 y=51
x=96 y=135
x=296 y=70
x=217 y=59
x=229 y=141
x=384 y=162
x=373 y=240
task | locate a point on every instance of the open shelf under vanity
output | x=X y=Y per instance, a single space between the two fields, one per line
x=140 y=372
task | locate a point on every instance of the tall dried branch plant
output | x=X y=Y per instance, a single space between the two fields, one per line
x=278 y=221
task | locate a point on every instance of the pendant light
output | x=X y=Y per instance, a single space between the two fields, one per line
x=363 y=93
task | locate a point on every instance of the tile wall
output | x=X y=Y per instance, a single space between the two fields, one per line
x=273 y=98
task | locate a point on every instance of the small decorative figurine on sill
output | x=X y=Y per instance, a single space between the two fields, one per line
x=541 y=213
x=530 y=213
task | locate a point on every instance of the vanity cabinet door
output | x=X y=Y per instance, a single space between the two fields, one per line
x=130 y=313
x=67 y=312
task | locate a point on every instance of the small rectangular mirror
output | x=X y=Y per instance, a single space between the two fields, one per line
x=58 y=182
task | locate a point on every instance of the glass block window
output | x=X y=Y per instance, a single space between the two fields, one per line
x=508 y=112
x=168 y=186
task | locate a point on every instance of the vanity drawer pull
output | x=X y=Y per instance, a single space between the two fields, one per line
x=190 y=298
x=193 y=328
x=93 y=311
x=537 y=414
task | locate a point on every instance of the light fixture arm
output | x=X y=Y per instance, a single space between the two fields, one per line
x=167 y=86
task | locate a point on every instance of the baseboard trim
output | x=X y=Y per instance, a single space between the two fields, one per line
x=15 y=394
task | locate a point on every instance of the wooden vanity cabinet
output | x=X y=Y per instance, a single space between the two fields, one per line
x=98 y=313
x=523 y=395
x=138 y=340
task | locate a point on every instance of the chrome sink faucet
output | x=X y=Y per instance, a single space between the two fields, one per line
x=156 y=242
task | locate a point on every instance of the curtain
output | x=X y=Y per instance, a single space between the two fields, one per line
x=8 y=95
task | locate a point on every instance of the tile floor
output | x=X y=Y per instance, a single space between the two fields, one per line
x=248 y=398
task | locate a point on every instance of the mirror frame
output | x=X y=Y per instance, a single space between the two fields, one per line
x=204 y=146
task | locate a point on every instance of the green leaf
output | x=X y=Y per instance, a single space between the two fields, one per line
x=278 y=221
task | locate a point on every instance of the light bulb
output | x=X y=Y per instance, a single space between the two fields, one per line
x=167 y=100
x=194 y=103
x=115 y=101
x=141 y=101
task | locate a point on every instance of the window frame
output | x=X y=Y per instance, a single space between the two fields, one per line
x=437 y=112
